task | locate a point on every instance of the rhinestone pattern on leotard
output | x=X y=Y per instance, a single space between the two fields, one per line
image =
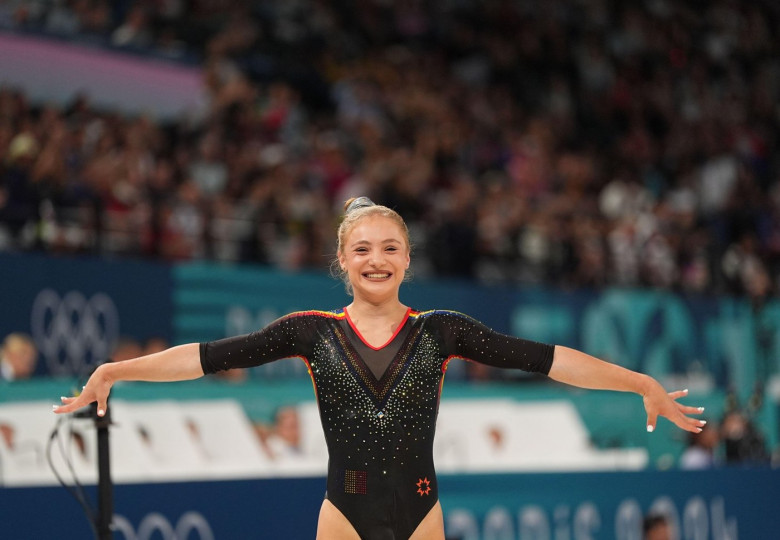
x=379 y=433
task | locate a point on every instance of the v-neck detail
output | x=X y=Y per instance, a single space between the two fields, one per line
x=365 y=341
x=397 y=352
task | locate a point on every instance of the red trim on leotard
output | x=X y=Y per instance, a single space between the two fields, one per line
x=311 y=376
x=328 y=314
x=366 y=343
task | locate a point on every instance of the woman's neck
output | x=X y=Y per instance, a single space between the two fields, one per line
x=376 y=324
x=392 y=311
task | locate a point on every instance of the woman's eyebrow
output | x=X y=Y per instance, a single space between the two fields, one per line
x=386 y=241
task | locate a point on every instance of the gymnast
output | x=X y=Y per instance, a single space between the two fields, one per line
x=377 y=367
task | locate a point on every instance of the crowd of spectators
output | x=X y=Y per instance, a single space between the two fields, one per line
x=569 y=143
x=736 y=440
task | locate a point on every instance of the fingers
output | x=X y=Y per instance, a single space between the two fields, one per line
x=693 y=425
x=96 y=390
x=677 y=394
x=102 y=406
x=74 y=403
x=70 y=404
x=677 y=413
x=652 y=419
x=689 y=410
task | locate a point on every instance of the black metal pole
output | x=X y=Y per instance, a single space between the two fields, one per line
x=105 y=486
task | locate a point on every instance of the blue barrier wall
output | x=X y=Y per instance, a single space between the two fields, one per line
x=76 y=309
x=725 y=504
x=724 y=339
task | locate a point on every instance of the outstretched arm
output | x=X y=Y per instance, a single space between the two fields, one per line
x=178 y=363
x=579 y=369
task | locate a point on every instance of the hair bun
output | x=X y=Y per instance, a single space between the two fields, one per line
x=359 y=202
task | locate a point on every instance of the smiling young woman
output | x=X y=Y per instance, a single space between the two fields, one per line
x=377 y=368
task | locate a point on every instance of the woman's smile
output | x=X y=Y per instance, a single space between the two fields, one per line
x=377 y=276
x=375 y=253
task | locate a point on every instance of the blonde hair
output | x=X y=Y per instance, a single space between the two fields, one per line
x=18 y=342
x=356 y=209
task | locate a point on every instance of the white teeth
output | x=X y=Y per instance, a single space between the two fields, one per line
x=377 y=276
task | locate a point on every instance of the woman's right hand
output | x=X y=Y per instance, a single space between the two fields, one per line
x=97 y=389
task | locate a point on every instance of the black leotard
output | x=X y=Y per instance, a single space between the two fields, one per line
x=379 y=428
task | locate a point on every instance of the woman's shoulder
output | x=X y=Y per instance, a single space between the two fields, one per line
x=313 y=315
x=302 y=323
x=442 y=315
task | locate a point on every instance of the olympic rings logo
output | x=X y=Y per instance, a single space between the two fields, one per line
x=155 y=522
x=73 y=332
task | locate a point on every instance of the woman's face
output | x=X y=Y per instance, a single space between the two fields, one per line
x=375 y=256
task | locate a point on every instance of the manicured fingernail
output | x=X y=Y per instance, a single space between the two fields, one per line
x=701 y=409
x=686 y=390
x=54 y=407
x=101 y=412
x=650 y=429
x=702 y=422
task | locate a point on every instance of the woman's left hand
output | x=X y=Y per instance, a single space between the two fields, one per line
x=660 y=403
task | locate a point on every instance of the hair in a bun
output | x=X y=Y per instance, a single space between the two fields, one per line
x=357 y=202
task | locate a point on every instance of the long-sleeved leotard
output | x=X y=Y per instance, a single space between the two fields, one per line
x=378 y=406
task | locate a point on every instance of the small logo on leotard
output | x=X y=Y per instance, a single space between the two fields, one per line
x=423 y=486
x=355 y=482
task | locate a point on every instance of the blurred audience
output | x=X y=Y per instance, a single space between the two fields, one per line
x=155 y=344
x=18 y=357
x=233 y=375
x=127 y=348
x=282 y=439
x=656 y=527
x=736 y=441
x=700 y=453
x=622 y=143
x=743 y=442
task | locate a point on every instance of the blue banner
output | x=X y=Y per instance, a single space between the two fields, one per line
x=727 y=341
x=725 y=504
x=78 y=309
x=702 y=505
x=724 y=341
